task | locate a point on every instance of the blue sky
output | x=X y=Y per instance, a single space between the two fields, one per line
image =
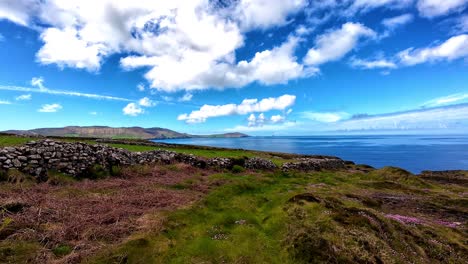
x=256 y=66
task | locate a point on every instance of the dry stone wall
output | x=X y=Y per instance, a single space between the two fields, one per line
x=75 y=158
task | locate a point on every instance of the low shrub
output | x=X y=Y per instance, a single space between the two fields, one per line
x=237 y=169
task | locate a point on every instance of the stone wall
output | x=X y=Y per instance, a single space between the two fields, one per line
x=37 y=157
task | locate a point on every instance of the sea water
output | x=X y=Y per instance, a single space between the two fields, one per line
x=411 y=152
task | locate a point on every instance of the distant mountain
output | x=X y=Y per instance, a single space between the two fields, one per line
x=115 y=132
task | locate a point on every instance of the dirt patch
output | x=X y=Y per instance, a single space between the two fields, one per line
x=86 y=215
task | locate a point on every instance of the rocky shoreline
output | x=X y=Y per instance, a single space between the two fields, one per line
x=76 y=158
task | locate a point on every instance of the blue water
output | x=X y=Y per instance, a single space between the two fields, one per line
x=413 y=153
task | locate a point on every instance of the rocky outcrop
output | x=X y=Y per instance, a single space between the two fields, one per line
x=314 y=164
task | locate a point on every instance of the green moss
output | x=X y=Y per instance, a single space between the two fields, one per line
x=62 y=250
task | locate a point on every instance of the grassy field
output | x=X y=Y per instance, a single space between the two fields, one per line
x=334 y=217
x=180 y=214
x=7 y=141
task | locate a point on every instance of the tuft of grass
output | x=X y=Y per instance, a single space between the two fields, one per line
x=62 y=250
x=15 y=176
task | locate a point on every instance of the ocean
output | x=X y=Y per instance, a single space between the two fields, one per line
x=411 y=152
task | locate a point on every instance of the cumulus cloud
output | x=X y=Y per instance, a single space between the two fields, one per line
x=454 y=48
x=4 y=102
x=278 y=65
x=335 y=44
x=277 y=118
x=146 y=102
x=434 y=8
x=246 y=107
x=24 y=97
x=50 y=108
x=77 y=53
x=266 y=13
x=185 y=45
x=261 y=119
x=132 y=109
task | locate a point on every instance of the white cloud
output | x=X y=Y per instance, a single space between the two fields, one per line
x=277 y=119
x=186 y=97
x=454 y=48
x=146 y=102
x=246 y=107
x=24 y=97
x=278 y=65
x=394 y=22
x=50 y=108
x=256 y=121
x=132 y=109
x=141 y=87
x=445 y=100
x=186 y=45
x=335 y=44
x=325 y=117
x=3 y=102
x=434 y=8
x=78 y=53
x=38 y=82
x=93 y=113
x=372 y=64
x=252 y=120
x=266 y=13
x=17 y=11
x=59 y=92
x=366 y=5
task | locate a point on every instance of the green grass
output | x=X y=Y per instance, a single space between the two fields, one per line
x=278 y=218
x=7 y=140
